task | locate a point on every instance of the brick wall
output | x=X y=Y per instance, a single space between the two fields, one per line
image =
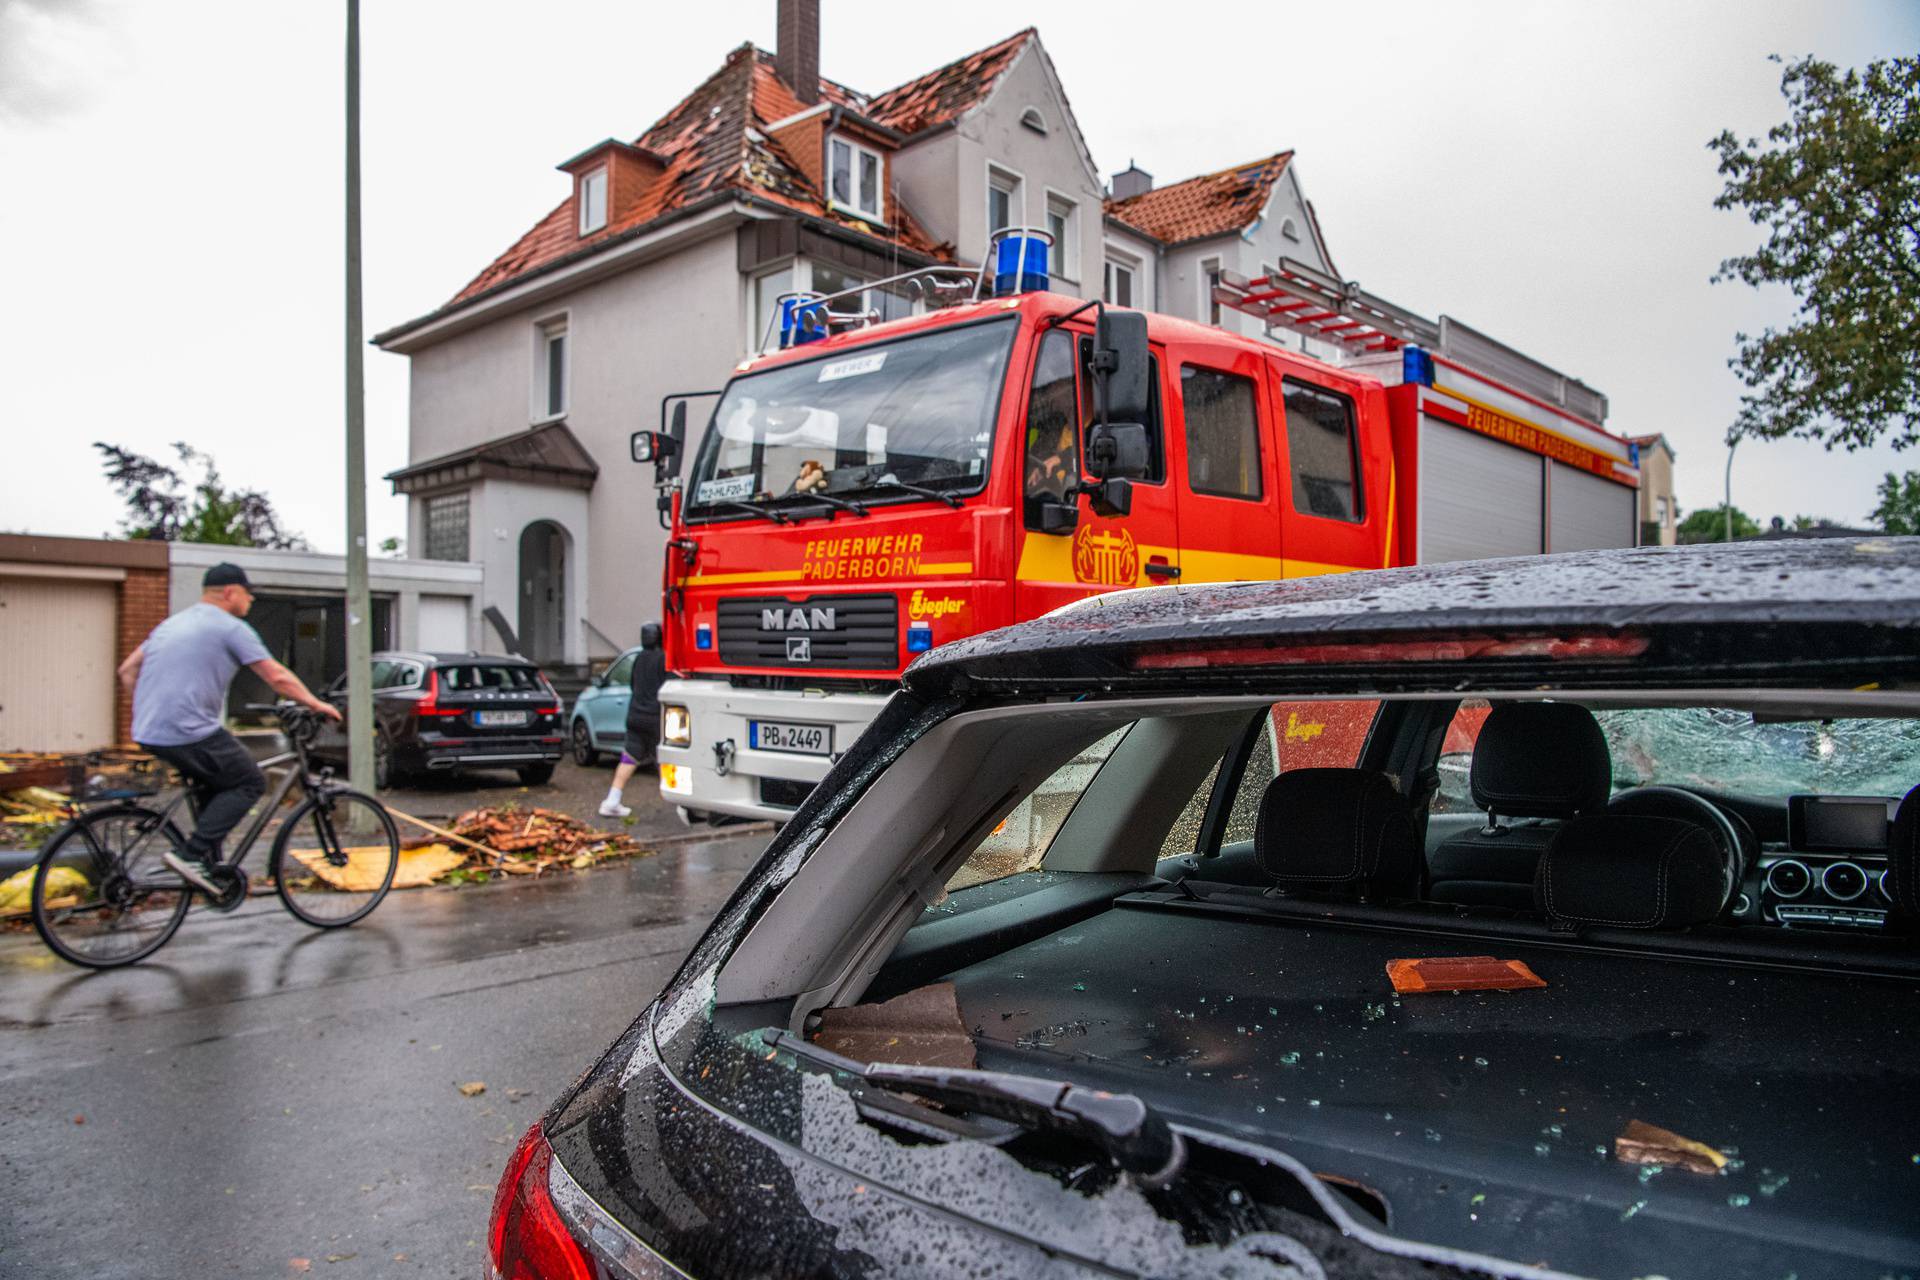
x=143 y=606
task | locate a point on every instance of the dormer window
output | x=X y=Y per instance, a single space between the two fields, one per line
x=855 y=179
x=1033 y=120
x=593 y=201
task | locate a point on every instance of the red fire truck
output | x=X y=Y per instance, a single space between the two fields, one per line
x=865 y=490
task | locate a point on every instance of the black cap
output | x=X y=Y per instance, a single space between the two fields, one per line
x=225 y=575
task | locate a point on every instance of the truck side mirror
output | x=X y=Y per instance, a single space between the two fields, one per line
x=1110 y=498
x=1120 y=362
x=656 y=446
x=1056 y=517
x=1117 y=450
x=679 y=428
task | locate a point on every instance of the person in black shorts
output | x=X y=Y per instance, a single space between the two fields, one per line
x=643 y=719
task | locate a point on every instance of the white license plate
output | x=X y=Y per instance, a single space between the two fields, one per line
x=803 y=739
x=489 y=719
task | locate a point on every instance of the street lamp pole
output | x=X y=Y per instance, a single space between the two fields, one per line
x=1728 y=507
x=359 y=599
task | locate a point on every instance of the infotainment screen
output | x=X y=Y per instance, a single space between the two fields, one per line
x=1838 y=824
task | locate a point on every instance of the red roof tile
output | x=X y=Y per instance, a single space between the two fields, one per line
x=942 y=96
x=713 y=143
x=1210 y=205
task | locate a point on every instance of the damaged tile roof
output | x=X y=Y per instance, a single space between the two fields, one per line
x=715 y=146
x=943 y=96
x=1210 y=205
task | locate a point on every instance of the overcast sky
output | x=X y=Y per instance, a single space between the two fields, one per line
x=171 y=188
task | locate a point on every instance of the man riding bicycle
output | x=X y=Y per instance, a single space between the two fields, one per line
x=178 y=678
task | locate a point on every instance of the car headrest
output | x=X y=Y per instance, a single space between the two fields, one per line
x=1630 y=871
x=1541 y=760
x=1903 y=862
x=1339 y=831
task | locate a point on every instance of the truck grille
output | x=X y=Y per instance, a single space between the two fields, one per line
x=813 y=632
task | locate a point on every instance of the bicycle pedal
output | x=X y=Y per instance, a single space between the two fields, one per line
x=233 y=889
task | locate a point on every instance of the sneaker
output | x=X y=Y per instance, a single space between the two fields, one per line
x=193 y=872
x=614 y=809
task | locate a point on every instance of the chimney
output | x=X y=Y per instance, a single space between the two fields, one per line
x=1131 y=181
x=796 y=53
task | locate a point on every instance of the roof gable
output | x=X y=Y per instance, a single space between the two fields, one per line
x=942 y=96
x=1212 y=204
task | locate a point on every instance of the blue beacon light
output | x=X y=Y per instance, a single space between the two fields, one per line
x=703 y=636
x=919 y=636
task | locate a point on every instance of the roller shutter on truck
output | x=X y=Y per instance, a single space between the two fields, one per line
x=1478 y=497
x=1589 y=512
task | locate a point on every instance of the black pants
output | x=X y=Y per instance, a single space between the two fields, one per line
x=223 y=781
x=643 y=742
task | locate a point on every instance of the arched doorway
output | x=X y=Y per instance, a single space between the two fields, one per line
x=543 y=592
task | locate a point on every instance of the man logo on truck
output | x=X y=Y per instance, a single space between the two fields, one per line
x=797 y=620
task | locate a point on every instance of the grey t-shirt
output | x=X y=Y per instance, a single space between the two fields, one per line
x=189 y=661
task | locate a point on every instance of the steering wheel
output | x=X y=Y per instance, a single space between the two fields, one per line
x=1675 y=802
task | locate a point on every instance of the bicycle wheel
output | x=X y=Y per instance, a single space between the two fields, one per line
x=334 y=858
x=101 y=895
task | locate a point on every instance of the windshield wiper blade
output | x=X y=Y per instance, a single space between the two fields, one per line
x=1132 y=1134
x=858 y=508
x=778 y=517
x=891 y=482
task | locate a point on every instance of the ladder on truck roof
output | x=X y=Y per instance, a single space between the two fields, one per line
x=1360 y=327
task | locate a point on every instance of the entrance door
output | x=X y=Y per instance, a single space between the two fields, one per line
x=1098 y=553
x=1222 y=461
x=543 y=598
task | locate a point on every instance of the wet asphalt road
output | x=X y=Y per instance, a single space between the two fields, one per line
x=261 y=1093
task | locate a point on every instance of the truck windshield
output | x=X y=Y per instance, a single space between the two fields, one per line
x=917 y=412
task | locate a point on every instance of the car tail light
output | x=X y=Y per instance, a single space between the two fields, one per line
x=526 y=1238
x=430 y=705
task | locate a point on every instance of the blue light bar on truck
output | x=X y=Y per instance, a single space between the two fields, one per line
x=1021 y=259
x=1416 y=365
x=802 y=320
x=703 y=636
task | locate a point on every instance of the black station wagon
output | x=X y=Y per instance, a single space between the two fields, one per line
x=1549 y=916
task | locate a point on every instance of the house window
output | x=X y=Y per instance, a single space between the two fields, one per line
x=1321 y=452
x=1223 y=433
x=1209 y=281
x=447 y=526
x=1003 y=199
x=1660 y=511
x=550 y=367
x=593 y=202
x=1033 y=120
x=1290 y=229
x=1119 y=290
x=1063 y=226
x=854 y=178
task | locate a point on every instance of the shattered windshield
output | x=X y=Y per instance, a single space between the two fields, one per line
x=1715 y=749
x=919 y=411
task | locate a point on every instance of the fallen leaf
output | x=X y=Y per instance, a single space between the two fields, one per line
x=299 y=1264
x=1644 y=1143
x=79 y=1119
x=473 y=1088
x=341 y=1257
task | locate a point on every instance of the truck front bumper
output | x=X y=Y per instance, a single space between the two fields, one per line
x=721 y=771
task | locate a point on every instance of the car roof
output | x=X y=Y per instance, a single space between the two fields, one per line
x=1829 y=611
x=440 y=658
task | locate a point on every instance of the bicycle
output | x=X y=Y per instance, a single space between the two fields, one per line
x=102 y=897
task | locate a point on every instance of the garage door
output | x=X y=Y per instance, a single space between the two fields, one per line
x=56 y=664
x=1478 y=497
x=1588 y=512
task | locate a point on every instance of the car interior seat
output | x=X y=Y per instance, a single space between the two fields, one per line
x=1540 y=762
x=1345 y=833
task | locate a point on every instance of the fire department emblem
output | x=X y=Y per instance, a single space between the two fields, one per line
x=1106 y=556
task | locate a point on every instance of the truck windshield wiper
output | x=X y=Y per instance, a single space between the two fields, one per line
x=894 y=482
x=858 y=508
x=1131 y=1134
x=766 y=513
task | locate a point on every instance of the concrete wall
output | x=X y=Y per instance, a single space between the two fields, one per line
x=676 y=324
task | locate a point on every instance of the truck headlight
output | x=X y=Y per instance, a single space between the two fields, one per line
x=676 y=727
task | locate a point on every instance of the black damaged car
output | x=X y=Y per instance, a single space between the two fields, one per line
x=1515 y=918
x=435 y=712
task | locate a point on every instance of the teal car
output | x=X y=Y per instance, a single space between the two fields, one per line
x=598 y=721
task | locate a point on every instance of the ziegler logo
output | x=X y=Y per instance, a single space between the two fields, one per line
x=922 y=605
x=1108 y=557
x=797 y=620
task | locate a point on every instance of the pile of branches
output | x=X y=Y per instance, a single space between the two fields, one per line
x=533 y=840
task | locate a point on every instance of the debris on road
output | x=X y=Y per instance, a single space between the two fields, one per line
x=473 y=1088
x=1644 y=1143
x=531 y=841
x=16 y=891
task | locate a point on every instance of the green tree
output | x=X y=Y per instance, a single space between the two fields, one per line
x=1837 y=187
x=166 y=506
x=1709 y=524
x=1899 y=509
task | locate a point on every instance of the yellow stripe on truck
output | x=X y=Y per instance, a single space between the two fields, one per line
x=1050 y=559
